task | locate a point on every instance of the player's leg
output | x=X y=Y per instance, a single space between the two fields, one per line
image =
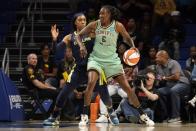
x=106 y=98
x=103 y=109
x=132 y=98
x=61 y=99
x=92 y=79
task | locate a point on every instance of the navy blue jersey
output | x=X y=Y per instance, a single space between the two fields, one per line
x=88 y=42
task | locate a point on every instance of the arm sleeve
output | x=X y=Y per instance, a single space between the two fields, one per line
x=175 y=67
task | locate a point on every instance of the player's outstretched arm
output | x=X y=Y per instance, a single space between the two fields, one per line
x=121 y=29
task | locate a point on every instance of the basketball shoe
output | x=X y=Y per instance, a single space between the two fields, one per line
x=84 y=120
x=144 y=118
x=51 y=121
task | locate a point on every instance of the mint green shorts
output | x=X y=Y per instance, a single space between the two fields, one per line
x=110 y=67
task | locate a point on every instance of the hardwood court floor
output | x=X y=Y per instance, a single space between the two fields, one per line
x=66 y=126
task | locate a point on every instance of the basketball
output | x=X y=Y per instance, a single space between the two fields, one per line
x=131 y=57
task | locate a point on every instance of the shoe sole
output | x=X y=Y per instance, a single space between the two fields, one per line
x=82 y=124
x=101 y=121
x=51 y=124
x=144 y=122
x=175 y=122
x=150 y=124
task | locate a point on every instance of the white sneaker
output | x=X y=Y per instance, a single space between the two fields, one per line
x=147 y=120
x=102 y=119
x=192 y=101
x=175 y=120
x=84 y=120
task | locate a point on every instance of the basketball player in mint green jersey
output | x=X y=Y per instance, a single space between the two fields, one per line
x=105 y=59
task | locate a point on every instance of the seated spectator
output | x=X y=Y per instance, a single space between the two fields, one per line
x=65 y=67
x=174 y=86
x=149 y=59
x=46 y=64
x=147 y=96
x=34 y=79
x=193 y=79
x=191 y=60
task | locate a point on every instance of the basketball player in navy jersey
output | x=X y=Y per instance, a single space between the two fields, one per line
x=78 y=75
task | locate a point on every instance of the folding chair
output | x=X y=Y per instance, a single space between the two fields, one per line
x=37 y=104
x=37 y=101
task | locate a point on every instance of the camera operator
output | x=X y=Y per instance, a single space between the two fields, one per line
x=147 y=96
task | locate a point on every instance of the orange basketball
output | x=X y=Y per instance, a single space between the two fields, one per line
x=131 y=57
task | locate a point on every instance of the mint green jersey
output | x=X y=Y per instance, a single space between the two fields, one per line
x=104 y=57
x=105 y=41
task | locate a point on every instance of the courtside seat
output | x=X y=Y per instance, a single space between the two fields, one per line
x=37 y=103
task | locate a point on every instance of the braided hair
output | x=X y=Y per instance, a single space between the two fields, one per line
x=115 y=13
